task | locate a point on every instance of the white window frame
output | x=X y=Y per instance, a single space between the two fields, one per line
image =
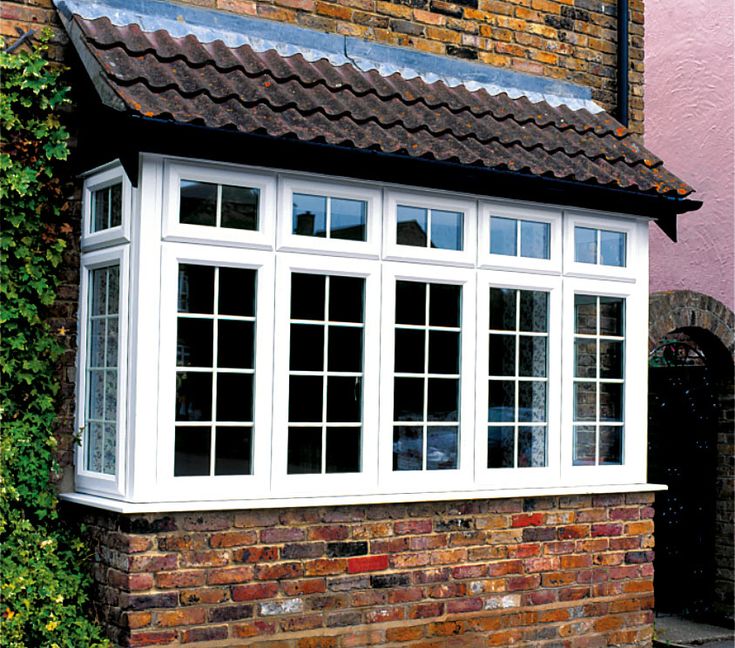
x=517 y=477
x=435 y=201
x=102 y=178
x=635 y=393
x=538 y=214
x=290 y=242
x=218 y=486
x=284 y=484
x=428 y=480
x=93 y=482
x=175 y=171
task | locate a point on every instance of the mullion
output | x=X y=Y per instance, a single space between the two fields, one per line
x=427 y=304
x=218 y=207
x=517 y=371
x=328 y=229
x=597 y=364
x=325 y=359
x=215 y=340
x=428 y=245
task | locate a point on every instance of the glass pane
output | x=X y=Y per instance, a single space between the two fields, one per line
x=408 y=451
x=307 y=347
x=110 y=395
x=345 y=349
x=532 y=356
x=307 y=296
x=443 y=400
x=346 y=296
x=612 y=311
x=612 y=248
x=503 y=309
x=585 y=245
x=611 y=402
x=95 y=433
x=237 y=292
x=500 y=446
x=585 y=314
x=235 y=344
x=110 y=449
x=348 y=220
x=584 y=445
x=234 y=397
x=443 y=352
x=198 y=203
x=97 y=342
x=196 y=289
x=411 y=226
x=410 y=351
x=410 y=302
x=343 y=449
x=96 y=394
x=446 y=229
x=501 y=400
x=503 y=235
x=531 y=401
x=408 y=399
x=502 y=355
x=611 y=359
x=344 y=399
x=585 y=401
x=611 y=445
x=535 y=238
x=309 y=215
x=191 y=451
x=112 y=341
x=100 y=209
x=239 y=208
x=441 y=447
x=193 y=342
x=98 y=293
x=304 y=450
x=585 y=358
x=116 y=205
x=233 y=451
x=193 y=396
x=305 y=399
x=444 y=301
x=531 y=446
x=113 y=289
x=534 y=311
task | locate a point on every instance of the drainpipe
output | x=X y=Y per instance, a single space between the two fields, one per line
x=623 y=62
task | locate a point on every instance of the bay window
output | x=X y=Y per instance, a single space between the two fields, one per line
x=293 y=337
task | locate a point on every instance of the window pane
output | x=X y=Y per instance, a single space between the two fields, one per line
x=237 y=292
x=193 y=342
x=198 y=203
x=307 y=347
x=531 y=446
x=348 y=219
x=112 y=341
x=345 y=349
x=532 y=356
x=344 y=399
x=196 y=289
x=611 y=359
x=191 y=451
x=193 y=396
x=346 y=296
x=443 y=352
x=411 y=226
x=534 y=311
x=100 y=209
x=611 y=445
x=235 y=342
x=309 y=215
x=611 y=402
x=97 y=342
x=95 y=434
x=307 y=296
x=443 y=400
x=532 y=401
x=500 y=446
x=96 y=394
x=410 y=351
x=612 y=248
x=535 y=238
x=585 y=314
x=408 y=451
x=98 y=294
x=109 y=459
x=585 y=245
x=584 y=445
x=503 y=309
x=441 y=447
x=116 y=205
x=501 y=401
x=612 y=311
x=240 y=207
x=408 y=399
x=343 y=449
x=585 y=358
x=233 y=451
x=304 y=450
x=305 y=399
x=446 y=229
x=410 y=302
x=585 y=401
x=110 y=396
x=444 y=303
x=503 y=233
x=502 y=354
x=234 y=397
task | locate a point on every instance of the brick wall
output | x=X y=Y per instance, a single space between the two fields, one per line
x=535 y=572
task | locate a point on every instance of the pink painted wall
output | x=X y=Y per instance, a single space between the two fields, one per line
x=689 y=117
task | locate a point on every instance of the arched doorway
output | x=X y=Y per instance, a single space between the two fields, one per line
x=690 y=450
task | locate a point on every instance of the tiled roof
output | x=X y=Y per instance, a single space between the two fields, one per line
x=184 y=80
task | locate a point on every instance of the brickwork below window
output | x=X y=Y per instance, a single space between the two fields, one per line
x=556 y=571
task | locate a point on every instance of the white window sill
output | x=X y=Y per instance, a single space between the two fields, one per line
x=118 y=506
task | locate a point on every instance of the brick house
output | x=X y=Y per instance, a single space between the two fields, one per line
x=362 y=320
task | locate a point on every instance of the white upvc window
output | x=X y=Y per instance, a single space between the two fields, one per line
x=106 y=206
x=296 y=338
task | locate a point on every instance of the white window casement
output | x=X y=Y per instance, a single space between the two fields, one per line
x=255 y=338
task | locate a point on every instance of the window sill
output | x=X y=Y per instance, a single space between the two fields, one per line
x=118 y=506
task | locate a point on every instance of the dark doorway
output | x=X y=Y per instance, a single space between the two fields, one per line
x=685 y=376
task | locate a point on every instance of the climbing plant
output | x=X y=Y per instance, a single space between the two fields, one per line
x=43 y=562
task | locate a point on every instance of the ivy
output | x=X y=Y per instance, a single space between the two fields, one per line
x=44 y=564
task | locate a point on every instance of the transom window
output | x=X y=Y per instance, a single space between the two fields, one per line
x=432 y=228
x=107 y=207
x=516 y=237
x=327 y=217
x=599 y=246
x=218 y=205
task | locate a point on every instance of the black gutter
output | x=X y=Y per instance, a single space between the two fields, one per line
x=623 y=62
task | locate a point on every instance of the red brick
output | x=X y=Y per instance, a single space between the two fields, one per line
x=626 y=513
x=279 y=571
x=207 y=633
x=254 y=591
x=413 y=527
x=331 y=532
x=425 y=610
x=404 y=633
x=255 y=554
x=230 y=575
x=469 y=571
x=209 y=595
x=383 y=615
x=326 y=566
x=300 y=623
x=135 y=620
x=505 y=567
x=308 y=586
x=527 y=519
x=254 y=629
x=183 y=616
x=524 y=550
x=193 y=578
x=516 y=583
x=367 y=564
x=607 y=530
x=158 y=638
x=464 y=605
x=282 y=534
x=573 y=531
x=233 y=539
